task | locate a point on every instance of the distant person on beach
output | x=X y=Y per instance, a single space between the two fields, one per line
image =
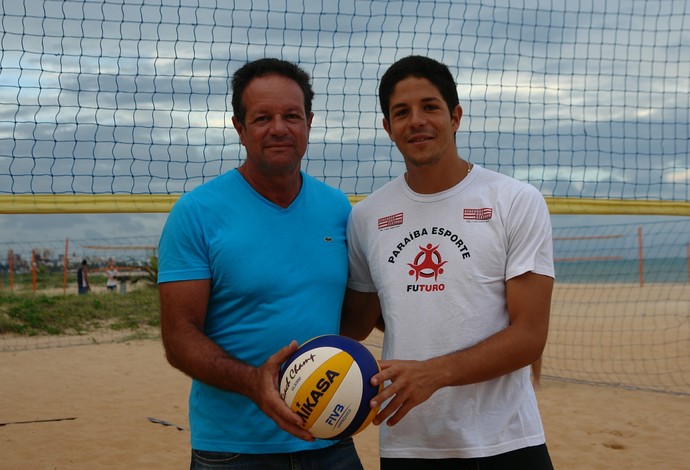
x=111 y=273
x=83 y=278
x=251 y=263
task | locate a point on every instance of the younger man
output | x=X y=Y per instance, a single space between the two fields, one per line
x=461 y=260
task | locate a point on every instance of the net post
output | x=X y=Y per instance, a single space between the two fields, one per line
x=640 y=254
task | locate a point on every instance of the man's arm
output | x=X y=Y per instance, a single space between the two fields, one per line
x=528 y=299
x=361 y=313
x=187 y=348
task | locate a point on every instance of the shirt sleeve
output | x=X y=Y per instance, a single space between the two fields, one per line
x=530 y=241
x=182 y=250
x=359 y=276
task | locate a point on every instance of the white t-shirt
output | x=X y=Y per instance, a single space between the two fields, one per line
x=111 y=273
x=439 y=263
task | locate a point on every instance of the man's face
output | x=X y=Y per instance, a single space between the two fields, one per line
x=420 y=123
x=275 y=133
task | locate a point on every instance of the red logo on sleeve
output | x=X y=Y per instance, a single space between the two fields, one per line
x=485 y=213
x=390 y=221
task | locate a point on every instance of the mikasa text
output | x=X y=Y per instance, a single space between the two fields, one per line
x=322 y=385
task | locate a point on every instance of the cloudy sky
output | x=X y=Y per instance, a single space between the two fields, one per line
x=582 y=99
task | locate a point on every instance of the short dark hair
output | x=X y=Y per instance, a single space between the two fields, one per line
x=83 y=262
x=268 y=66
x=420 y=67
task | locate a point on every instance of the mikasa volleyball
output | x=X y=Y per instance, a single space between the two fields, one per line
x=327 y=382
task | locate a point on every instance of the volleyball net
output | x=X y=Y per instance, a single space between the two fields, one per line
x=122 y=106
x=116 y=106
x=620 y=312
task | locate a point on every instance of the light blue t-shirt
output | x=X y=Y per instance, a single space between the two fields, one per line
x=277 y=274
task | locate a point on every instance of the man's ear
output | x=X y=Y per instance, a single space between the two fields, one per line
x=455 y=118
x=387 y=127
x=239 y=128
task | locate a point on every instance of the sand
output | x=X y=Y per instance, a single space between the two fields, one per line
x=88 y=407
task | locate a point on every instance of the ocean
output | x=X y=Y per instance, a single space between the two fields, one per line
x=655 y=270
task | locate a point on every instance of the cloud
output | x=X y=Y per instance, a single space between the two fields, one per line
x=679 y=176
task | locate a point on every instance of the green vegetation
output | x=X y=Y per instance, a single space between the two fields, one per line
x=39 y=314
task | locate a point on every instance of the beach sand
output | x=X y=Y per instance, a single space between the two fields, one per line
x=88 y=406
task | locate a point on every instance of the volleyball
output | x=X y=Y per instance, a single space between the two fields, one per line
x=327 y=383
